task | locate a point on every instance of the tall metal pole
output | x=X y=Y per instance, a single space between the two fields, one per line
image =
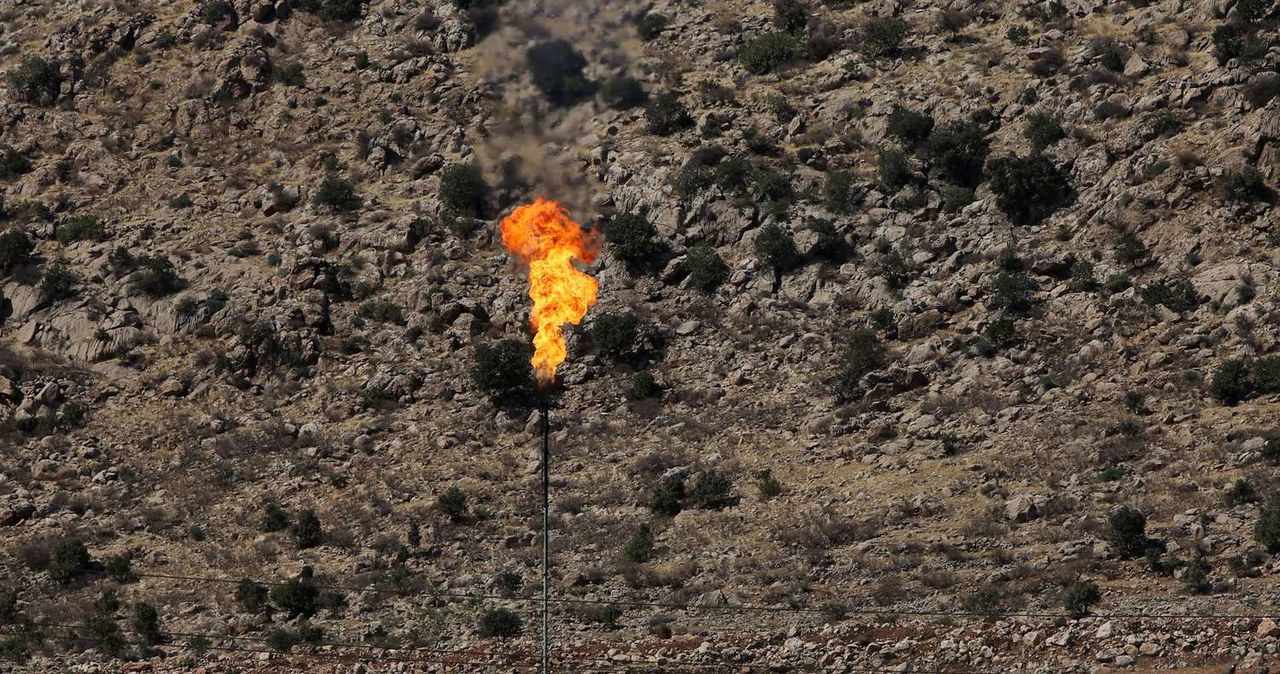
x=546 y=536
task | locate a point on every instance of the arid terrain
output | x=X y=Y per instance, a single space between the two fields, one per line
x=932 y=335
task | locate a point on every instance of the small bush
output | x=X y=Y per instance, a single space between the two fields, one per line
x=146 y=622
x=274 y=518
x=668 y=497
x=861 y=356
x=453 y=503
x=1080 y=598
x=650 y=26
x=37 y=81
x=1028 y=189
x=952 y=21
x=1127 y=533
x=333 y=10
x=768 y=485
x=839 y=191
x=218 y=12
x=1245 y=185
x=1241 y=491
x=955 y=197
x=707 y=270
x=1230 y=382
x=157 y=276
x=1261 y=90
x=13 y=163
x=297 y=598
x=338 y=195
x=292 y=75
x=503 y=368
x=776 y=249
x=790 y=15
x=463 y=189
x=769 y=52
x=908 y=126
x=631 y=237
x=959 y=150
x=639 y=548
x=893 y=169
x=1043 y=130
x=1013 y=292
x=1266 y=375
x=884 y=36
x=1234 y=42
x=620 y=336
x=665 y=115
x=251 y=596
x=500 y=623
x=713 y=491
x=308 y=533
x=58 y=283
x=16 y=249
x=81 y=228
x=622 y=92
x=557 y=70
x=1267 y=529
x=104 y=633
x=1178 y=296
x=70 y=560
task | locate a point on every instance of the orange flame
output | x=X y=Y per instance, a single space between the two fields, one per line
x=542 y=236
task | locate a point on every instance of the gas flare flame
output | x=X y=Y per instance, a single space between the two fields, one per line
x=542 y=236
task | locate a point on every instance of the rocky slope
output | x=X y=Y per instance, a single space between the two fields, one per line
x=953 y=398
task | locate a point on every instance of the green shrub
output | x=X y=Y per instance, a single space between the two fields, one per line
x=251 y=596
x=1127 y=533
x=334 y=10
x=8 y=607
x=908 y=126
x=1230 y=383
x=1043 y=130
x=839 y=192
x=103 y=633
x=776 y=249
x=157 y=276
x=1251 y=11
x=218 y=12
x=274 y=518
x=644 y=387
x=639 y=548
x=37 y=81
x=1013 y=292
x=15 y=249
x=503 y=368
x=297 y=598
x=500 y=623
x=861 y=356
x=1195 y=577
x=955 y=198
x=884 y=36
x=13 y=163
x=733 y=174
x=952 y=21
x=773 y=188
x=80 y=228
x=790 y=15
x=631 y=237
x=651 y=25
x=692 y=179
x=713 y=491
x=1080 y=598
x=58 y=283
x=1267 y=530
x=1232 y=41
x=769 y=52
x=617 y=335
x=146 y=622
x=1178 y=296
x=463 y=189
x=622 y=92
x=557 y=70
x=668 y=497
x=665 y=115
x=893 y=169
x=338 y=195
x=307 y=532
x=1245 y=185
x=707 y=270
x=1018 y=35
x=70 y=561
x=1266 y=375
x=1028 y=189
x=1240 y=491
x=768 y=485
x=453 y=503
x=959 y=150
x=292 y=75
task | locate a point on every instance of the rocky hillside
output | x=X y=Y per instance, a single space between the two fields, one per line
x=931 y=333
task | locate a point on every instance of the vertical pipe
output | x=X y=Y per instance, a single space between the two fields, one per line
x=546 y=536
